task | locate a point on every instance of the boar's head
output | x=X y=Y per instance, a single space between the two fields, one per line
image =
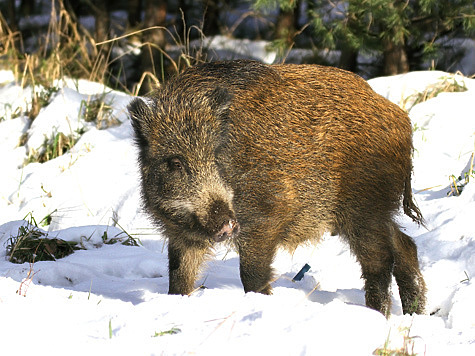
x=182 y=137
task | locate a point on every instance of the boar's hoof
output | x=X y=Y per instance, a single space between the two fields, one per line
x=229 y=229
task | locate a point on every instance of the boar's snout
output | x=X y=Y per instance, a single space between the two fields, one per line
x=229 y=229
x=222 y=223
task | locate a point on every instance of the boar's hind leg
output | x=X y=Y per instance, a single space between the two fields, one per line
x=409 y=279
x=255 y=257
x=183 y=264
x=373 y=249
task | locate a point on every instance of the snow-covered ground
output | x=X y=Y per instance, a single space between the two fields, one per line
x=112 y=298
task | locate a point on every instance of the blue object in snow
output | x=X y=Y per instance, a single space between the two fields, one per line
x=299 y=275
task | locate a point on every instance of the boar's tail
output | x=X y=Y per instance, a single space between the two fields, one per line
x=410 y=208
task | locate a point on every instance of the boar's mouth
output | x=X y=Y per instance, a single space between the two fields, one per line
x=217 y=224
x=229 y=229
x=220 y=222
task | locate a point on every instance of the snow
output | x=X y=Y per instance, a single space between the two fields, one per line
x=227 y=48
x=112 y=298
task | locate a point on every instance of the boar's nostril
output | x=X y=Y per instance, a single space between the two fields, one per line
x=220 y=223
x=229 y=229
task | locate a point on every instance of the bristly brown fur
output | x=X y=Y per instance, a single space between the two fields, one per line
x=271 y=156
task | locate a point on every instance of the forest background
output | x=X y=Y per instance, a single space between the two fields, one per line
x=132 y=45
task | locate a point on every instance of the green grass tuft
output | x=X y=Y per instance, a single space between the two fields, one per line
x=96 y=109
x=457 y=184
x=172 y=331
x=52 y=148
x=30 y=244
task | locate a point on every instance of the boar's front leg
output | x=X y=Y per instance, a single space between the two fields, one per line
x=256 y=256
x=183 y=264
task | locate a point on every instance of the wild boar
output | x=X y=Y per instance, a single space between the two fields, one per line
x=271 y=156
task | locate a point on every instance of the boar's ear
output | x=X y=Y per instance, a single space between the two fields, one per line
x=141 y=114
x=220 y=100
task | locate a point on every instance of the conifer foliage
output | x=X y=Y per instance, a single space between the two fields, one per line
x=404 y=32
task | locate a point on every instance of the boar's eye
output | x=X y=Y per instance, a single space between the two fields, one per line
x=175 y=164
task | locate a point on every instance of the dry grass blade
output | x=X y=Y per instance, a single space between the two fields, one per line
x=407 y=349
x=9 y=43
x=67 y=49
x=448 y=84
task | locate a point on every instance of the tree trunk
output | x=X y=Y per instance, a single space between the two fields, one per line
x=27 y=7
x=287 y=23
x=101 y=15
x=348 y=59
x=395 y=59
x=211 y=17
x=155 y=15
x=154 y=40
x=11 y=19
x=134 y=8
